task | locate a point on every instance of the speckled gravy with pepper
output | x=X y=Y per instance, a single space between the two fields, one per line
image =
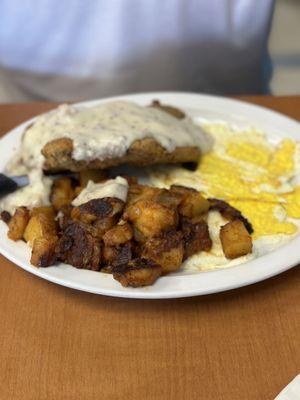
x=108 y=130
x=103 y=131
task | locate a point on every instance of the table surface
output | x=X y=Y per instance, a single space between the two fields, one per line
x=59 y=343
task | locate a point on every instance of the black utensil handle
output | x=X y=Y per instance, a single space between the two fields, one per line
x=7 y=185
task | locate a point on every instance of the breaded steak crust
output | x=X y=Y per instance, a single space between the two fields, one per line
x=147 y=151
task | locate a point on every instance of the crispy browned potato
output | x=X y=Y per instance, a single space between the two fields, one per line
x=63 y=217
x=5 y=216
x=175 y=112
x=119 y=234
x=229 y=212
x=235 y=239
x=43 y=251
x=182 y=190
x=47 y=210
x=195 y=236
x=117 y=246
x=79 y=246
x=117 y=255
x=138 y=272
x=168 y=198
x=138 y=192
x=192 y=203
x=163 y=196
x=97 y=209
x=95 y=175
x=17 y=224
x=41 y=224
x=166 y=250
x=150 y=219
x=62 y=193
x=104 y=224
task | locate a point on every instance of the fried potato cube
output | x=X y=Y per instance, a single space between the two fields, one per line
x=117 y=235
x=103 y=225
x=17 y=224
x=78 y=246
x=167 y=251
x=97 y=209
x=43 y=251
x=168 y=198
x=46 y=210
x=192 y=203
x=150 y=218
x=62 y=193
x=195 y=236
x=95 y=175
x=183 y=190
x=40 y=225
x=138 y=272
x=235 y=239
x=138 y=192
x=163 y=196
x=117 y=255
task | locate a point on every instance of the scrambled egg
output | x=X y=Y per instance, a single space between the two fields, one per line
x=256 y=175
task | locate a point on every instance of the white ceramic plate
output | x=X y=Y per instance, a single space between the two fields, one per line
x=177 y=285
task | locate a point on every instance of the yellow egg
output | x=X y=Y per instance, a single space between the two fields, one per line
x=254 y=154
x=292 y=205
x=264 y=217
x=282 y=160
x=250 y=173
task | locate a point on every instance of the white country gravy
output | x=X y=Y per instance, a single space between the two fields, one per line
x=36 y=194
x=103 y=131
x=117 y=187
x=107 y=130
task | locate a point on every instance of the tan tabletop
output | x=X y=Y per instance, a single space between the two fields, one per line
x=58 y=343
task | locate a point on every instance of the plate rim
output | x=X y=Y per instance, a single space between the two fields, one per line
x=146 y=293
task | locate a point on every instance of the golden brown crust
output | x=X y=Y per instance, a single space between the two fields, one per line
x=62 y=193
x=117 y=255
x=236 y=240
x=79 y=246
x=94 y=175
x=166 y=250
x=18 y=223
x=41 y=224
x=192 y=202
x=43 y=252
x=58 y=156
x=97 y=209
x=196 y=237
x=119 y=234
x=150 y=219
x=138 y=272
x=137 y=241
